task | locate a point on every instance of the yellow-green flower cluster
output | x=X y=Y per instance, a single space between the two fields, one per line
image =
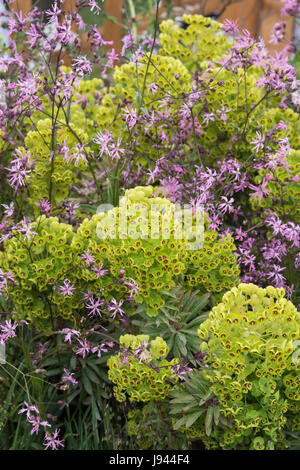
x=200 y=46
x=272 y=116
x=213 y=266
x=169 y=75
x=84 y=114
x=40 y=263
x=55 y=169
x=131 y=82
x=254 y=369
x=140 y=369
x=201 y=40
x=53 y=176
x=141 y=245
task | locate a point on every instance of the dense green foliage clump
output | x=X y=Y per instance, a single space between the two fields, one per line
x=149 y=238
x=251 y=344
x=134 y=315
x=144 y=375
x=38 y=263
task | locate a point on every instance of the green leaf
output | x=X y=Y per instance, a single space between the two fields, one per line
x=216 y=415
x=87 y=384
x=73 y=362
x=170 y=342
x=103 y=376
x=88 y=208
x=53 y=372
x=182 y=398
x=92 y=376
x=182 y=338
x=181 y=347
x=193 y=417
x=200 y=319
x=208 y=420
x=189 y=408
x=180 y=422
x=95 y=410
x=205 y=398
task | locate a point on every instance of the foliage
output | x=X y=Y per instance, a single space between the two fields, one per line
x=141 y=190
x=151 y=428
x=177 y=321
x=141 y=239
x=251 y=344
x=140 y=372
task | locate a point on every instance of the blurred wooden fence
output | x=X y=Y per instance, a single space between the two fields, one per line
x=258 y=16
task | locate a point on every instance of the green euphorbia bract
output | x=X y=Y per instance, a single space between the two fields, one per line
x=251 y=339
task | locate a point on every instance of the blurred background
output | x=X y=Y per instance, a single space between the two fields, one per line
x=258 y=16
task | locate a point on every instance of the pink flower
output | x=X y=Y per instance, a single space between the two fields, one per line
x=52 y=441
x=230 y=27
x=94 y=6
x=28 y=409
x=291 y=7
x=207 y=117
x=103 y=139
x=88 y=258
x=78 y=154
x=152 y=88
x=223 y=112
x=25 y=228
x=67 y=288
x=28 y=89
x=115 y=308
x=226 y=205
x=34 y=35
x=19 y=170
x=258 y=143
x=112 y=57
x=99 y=271
x=278 y=32
x=93 y=305
x=276 y=276
x=68 y=377
x=240 y=235
x=4 y=277
x=115 y=150
x=85 y=348
x=53 y=13
x=100 y=348
x=9 y=210
x=130 y=117
x=82 y=66
x=259 y=191
x=180 y=371
x=8 y=331
x=36 y=422
x=152 y=175
x=68 y=334
x=44 y=206
x=133 y=288
x=128 y=43
x=141 y=351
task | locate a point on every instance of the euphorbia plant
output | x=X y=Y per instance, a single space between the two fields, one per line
x=252 y=356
